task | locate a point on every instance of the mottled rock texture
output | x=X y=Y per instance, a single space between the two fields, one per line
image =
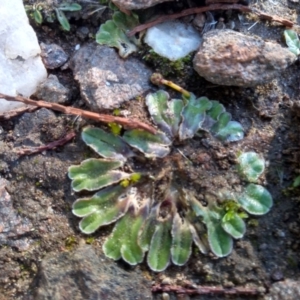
x=84 y=274
x=137 y=4
x=226 y=57
x=287 y=290
x=52 y=90
x=13 y=228
x=105 y=79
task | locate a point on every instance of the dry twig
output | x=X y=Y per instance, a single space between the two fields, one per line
x=52 y=145
x=197 y=10
x=131 y=123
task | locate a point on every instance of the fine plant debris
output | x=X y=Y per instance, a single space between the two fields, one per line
x=138 y=184
x=36 y=13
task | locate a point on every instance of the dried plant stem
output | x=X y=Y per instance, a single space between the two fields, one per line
x=52 y=145
x=157 y=79
x=197 y=10
x=131 y=123
x=206 y=290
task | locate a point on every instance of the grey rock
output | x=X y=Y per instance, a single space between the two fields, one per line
x=53 y=91
x=83 y=32
x=287 y=290
x=83 y=274
x=53 y=55
x=226 y=57
x=13 y=228
x=137 y=4
x=106 y=80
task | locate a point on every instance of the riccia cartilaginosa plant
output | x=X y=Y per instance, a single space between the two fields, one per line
x=141 y=183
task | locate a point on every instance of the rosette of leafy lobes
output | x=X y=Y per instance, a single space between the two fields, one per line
x=154 y=215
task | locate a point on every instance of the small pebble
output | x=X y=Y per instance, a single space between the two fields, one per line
x=82 y=32
x=53 y=56
x=277 y=275
x=167 y=280
x=165 y=296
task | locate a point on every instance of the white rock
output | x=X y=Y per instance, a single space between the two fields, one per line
x=173 y=39
x=21 y=68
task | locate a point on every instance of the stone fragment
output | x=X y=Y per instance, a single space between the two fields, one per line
x=13 y=228
x=21 y=68
x=106 y=81
x=137 y=4
x=287 y=290
x=53 y=55
x=84 y=274
x=173 y=39
x=53 y=91
x=226 y=57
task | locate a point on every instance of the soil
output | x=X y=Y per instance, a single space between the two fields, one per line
x=41 y=193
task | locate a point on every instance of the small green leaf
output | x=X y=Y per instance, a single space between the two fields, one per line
x=216 y=110
x=109 y=34
x=181 y=241
x=251 y=165
x=62 y=19
x=152 y=145
x=159 y=253
x=232 y=132
x=125 y=22
x=193 y=115
x=65 y=6
x=103 y=208
x=296 y=182
x=235 y=226
x=147 y=230
x=212 y=115
x=93 y=174
x=105 y=144
x=292 y=41
x=165 y=114
x=222 y=122
x=38 y=18
x=256 y=200
x=219 y=241
x=125 y=235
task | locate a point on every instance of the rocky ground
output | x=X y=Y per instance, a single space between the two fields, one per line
x=42 y=253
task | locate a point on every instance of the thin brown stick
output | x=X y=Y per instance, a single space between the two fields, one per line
x=197 y=10
x=52 y=145
x=131 y=123
x=206 y=290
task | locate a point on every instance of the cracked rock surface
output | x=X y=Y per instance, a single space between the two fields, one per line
x=226 y=57
x=83 y=274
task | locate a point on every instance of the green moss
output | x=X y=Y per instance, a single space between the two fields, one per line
x=90 y=240
x=70 y=242
x=253 y=223
x=165 y=66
